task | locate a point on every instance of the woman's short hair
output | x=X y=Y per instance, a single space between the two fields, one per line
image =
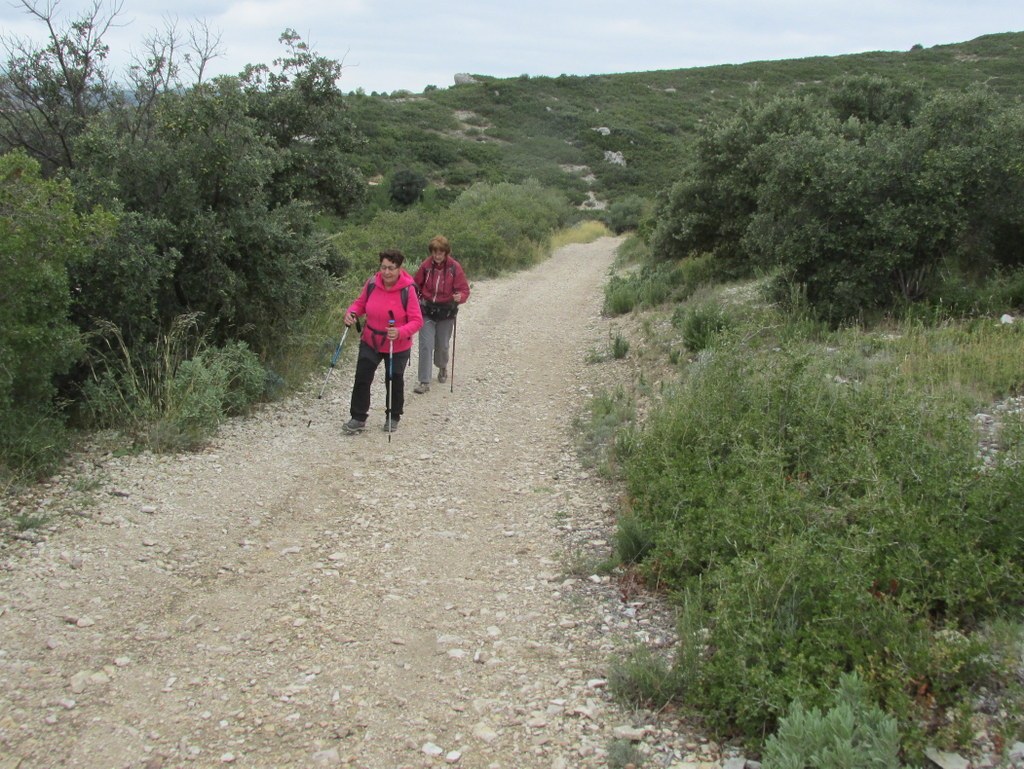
x=392 y=255
x=439 y=243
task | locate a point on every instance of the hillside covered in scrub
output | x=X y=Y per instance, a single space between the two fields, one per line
x=558 y=130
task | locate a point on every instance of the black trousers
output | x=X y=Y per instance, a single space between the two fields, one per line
x=394 y=377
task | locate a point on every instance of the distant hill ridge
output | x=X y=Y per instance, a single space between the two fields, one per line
x=512 y=128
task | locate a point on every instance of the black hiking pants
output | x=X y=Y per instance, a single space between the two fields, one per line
x=366 y=368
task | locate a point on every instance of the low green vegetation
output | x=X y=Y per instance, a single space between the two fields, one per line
x=608 y=416
x=175 y=399
x=816 y=501
x=656 y=284
x=811 y=487
x=644 y=679
x=853 y=733
x=623 y=754
x=480 y=131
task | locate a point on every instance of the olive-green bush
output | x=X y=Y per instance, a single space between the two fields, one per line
x=828 y=523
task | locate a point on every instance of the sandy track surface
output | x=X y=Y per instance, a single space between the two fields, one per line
x=292 y=596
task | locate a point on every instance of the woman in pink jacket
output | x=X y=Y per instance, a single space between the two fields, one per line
x=393 y=316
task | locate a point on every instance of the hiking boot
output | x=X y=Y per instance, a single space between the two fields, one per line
x=442 y=375
x=353 y=426
x=393 y=426
x=422 y=387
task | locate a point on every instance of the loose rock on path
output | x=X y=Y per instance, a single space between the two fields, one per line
x=295 y=597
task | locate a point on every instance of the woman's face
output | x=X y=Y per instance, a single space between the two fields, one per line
x=438 y=256
x=388 y=272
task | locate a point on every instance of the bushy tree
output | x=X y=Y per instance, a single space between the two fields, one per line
x=626 y=213
x=973 y=143
x=870 y=217
x=876 y=100
x=710 y=208
x=49 y=93
x=865 y=202
x=837 y=217
x=52 y=94
x=40 y=235
x=406 y=186
x=299 y=105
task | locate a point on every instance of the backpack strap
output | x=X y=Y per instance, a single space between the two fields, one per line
x=370 y=285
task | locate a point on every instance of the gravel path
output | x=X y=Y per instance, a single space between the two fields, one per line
x=294 y=597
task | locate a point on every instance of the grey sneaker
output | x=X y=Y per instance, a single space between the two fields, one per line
x=442 y=375
x=393 y=426
x=422 y=387
x=353 y=426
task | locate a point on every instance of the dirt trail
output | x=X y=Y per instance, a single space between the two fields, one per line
x=294 y=597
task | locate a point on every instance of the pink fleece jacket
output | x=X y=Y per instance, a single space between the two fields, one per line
x=382 y=303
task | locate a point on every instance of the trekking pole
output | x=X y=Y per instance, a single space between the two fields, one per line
x=455 y=328
x=334 y=359
x=391 y=372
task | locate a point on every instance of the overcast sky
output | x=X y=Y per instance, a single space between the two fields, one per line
x=388 y=45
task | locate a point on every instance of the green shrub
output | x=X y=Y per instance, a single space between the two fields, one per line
x=633 y=250
x=406 y=186
x=175 y=396
x=654 y=284
x=40 y=236
x=620 y=347
x=647 y=287
x=833 y=522
x=623 y=754
x=607 y=416
x=643 y=679
x=700 y=323
x=238 y=374
x=215 y=384
x=620 y=296
x=626 y=213
x=853 y=734
x=29 y=521
x=634 y=540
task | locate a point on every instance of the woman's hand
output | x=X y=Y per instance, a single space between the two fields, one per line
x=349 y=319
x=392 y=333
